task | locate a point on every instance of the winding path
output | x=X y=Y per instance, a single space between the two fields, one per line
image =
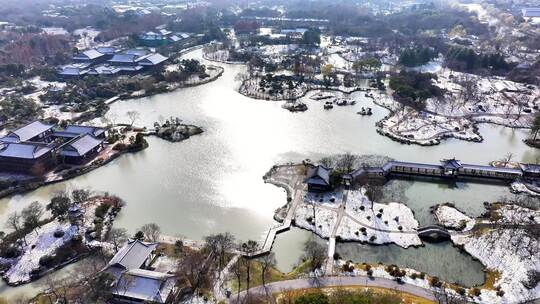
x=335 y=281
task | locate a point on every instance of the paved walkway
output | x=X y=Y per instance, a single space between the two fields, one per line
x=219 y=283
x=329 y=267
x=339 y=281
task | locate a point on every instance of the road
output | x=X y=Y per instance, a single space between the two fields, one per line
x=335 y=281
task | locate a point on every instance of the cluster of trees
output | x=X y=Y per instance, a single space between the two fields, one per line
x=311 y=37
x=186 y=69
x=467 y=60
x=366 y=64
x=246 y=27
x=116 y=26
x=276 y=84
x=22 y=223
x=417 y=56
x=199 y=21
x=349 y=19
x=436 y=19
x=18 y=110
x=31 y=218
x=414 y=88
x=34 y=48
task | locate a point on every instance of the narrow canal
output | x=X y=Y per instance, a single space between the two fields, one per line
x=213 y=182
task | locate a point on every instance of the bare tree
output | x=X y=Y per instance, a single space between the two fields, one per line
x=220 y=244
x=327 y=162
x=31 y=215
x=238 y=270
x=56 y=289
x=267 y=262
x=80 y=195
x=346 y=162
x=133 y=116
x=506 y=159
x=117 y=236
x=248 y=247
x=315 y=253
x=193 y=269
x=151 y=232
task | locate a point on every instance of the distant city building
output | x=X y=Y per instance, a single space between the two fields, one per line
x=162 y=37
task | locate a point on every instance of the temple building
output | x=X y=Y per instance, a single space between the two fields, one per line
x=37 y=147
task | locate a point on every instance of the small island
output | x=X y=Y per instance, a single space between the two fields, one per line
x=174 y=130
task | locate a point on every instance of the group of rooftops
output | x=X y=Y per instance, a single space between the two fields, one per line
x=162 y=37
x=35 y=142
x=134 y=281
x=107 y=60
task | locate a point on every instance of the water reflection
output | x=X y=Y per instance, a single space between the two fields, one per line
x=213 y=182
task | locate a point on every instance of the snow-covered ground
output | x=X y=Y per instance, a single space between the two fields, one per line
x=450 y=217
x=497 y=101
x=526 y=188
x=87 y=36
x=359 y=221
x=42 y=242
x=513 y=252
x=396 y=223
x=315 y=218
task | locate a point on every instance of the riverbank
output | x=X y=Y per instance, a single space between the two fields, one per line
x=109 y=153
x=214 y=184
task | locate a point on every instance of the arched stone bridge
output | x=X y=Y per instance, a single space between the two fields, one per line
x=433 y=233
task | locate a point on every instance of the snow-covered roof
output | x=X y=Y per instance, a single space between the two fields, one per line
x=151 y=59
x=319 y=175
x=451 y=163
x=70 y=71
x=96 y=131
x=88 y=55
x=104 y=69
x=131 y=68
x=27 y=132
x=165 y=32
x=152 y=36
x=75 y=69
x=138 y=52
x=81 y=146
x=24 y=150
x=108 y=50
x=492 y=169
x=389 y=165
x=145 y=285
x=133 y=254
x=130 y=58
